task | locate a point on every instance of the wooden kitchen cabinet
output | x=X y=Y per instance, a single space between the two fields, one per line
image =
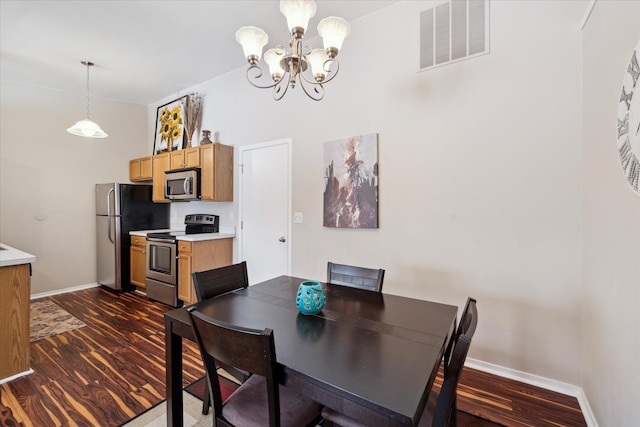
x=200 y=256
x=216 y=174
x=161 y=164
x=139 y=262
x=216 y=170
x=187 y=158
x=15 y=291
x=141 y=169
x=184 y=272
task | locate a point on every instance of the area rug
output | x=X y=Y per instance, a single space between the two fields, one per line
x=193 y=394
x=192 y=397
x=48 y=319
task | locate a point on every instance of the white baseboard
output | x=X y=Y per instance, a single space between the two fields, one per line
x=538 y=381
x=13 y=377
x=64 y=291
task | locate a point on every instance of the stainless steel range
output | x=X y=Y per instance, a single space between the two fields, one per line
x=162 y=257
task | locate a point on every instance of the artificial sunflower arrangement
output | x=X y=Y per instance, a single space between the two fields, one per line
x=170 y=125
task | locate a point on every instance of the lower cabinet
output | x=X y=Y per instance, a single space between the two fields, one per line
x=139 y=262
x=200 y=256
x=15 y=290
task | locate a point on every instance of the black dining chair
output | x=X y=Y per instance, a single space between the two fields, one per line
x=218 y=281
x=463 y=328
x=356 y=277
x=441 y=407
x=260 y=398
x=210 y=284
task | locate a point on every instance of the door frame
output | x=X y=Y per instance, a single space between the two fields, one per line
x=241 y=150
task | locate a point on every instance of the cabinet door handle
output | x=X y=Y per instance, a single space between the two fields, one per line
x=282 y=239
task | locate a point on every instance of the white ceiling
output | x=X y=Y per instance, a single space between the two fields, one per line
x=143 y=50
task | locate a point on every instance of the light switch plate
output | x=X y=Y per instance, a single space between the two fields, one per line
x=297 y=217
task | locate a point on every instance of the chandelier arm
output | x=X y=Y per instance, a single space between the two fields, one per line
x=257 y=76
x=277 y=94
x=326 y=65
x=315 y=86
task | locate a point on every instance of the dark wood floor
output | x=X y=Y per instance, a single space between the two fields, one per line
x=113 y=369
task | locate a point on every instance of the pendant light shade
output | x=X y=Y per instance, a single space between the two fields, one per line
x=87 y=127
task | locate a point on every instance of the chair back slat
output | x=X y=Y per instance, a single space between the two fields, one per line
x=218 y=281
x=355 y=277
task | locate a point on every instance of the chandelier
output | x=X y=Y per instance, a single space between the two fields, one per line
x=287 y=67
x=86 y=127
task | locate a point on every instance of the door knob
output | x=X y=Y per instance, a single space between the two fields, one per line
x=282 y=239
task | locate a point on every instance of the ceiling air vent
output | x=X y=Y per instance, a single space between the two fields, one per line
x=453 y=31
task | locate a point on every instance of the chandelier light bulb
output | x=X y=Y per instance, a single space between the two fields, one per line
x=333 y=31
x=298 y=14
x=252 y=40
x=272 y=58
x=317 y=59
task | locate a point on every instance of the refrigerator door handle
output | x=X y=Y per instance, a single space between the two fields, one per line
x=109 y=215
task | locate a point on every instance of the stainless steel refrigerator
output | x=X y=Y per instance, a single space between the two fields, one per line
x=121 y=208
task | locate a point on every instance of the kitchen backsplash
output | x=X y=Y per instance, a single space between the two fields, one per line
x=225 y=210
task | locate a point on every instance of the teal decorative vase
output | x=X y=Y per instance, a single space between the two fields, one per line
x=310 y=298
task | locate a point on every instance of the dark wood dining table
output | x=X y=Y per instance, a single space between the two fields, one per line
x=371 y=356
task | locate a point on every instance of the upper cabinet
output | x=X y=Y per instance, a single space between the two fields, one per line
x=141 y=169
x=216 y=170
x=187 y=158
x=161 y=164
x=216 y=173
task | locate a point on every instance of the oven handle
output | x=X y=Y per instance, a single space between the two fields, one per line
x=161 y=240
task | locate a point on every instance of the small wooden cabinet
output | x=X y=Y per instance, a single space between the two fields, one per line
x=187 y=158
x=139 y=262
x=15 y=290
x=216 y=174
x=141 y=169
x=161 y=164
x=200 y=256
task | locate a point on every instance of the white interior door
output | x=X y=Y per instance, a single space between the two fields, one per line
x=265 y=209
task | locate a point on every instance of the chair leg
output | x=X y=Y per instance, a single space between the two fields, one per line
x=206 y=400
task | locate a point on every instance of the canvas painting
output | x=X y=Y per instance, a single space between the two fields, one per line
x=170 y=126
x=351 y=182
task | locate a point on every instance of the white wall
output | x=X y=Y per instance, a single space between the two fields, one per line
x=611 y=293
x=48 y=173
x=486 y=188
x=480 y=171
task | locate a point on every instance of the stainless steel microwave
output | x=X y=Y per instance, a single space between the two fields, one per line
x=182 y=184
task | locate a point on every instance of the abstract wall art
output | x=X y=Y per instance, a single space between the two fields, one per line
x=351 y=182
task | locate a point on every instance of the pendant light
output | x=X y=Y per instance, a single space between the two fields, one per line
x=86 y=127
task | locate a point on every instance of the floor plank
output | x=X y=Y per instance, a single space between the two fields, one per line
x=105 y=373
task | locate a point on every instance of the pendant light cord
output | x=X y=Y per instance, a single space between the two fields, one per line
x=88 y=64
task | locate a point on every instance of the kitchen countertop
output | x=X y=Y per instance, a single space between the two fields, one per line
x=223 y=234
x=12 y=256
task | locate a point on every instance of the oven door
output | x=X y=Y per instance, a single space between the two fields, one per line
x=161 y=260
